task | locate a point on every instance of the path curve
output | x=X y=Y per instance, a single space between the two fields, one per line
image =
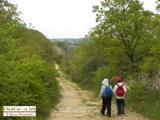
x=78 y=104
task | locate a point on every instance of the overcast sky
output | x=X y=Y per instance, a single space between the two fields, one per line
x=62 y=18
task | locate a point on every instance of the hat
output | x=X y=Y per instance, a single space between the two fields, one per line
x=118 y=78
x=105 y=82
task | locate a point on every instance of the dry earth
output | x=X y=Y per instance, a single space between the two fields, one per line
x=78 y=104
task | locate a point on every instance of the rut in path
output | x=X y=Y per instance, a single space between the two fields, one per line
x=78 y=104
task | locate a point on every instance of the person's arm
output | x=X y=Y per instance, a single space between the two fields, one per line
x=125 y=88
x=101 y=91
x=115 y=88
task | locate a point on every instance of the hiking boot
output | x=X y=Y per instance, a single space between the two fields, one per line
x=108 y=115
x=123 y=112
x=101 y=112
x=119 y=114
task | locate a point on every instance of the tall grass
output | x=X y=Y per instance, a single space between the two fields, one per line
x=142 y=99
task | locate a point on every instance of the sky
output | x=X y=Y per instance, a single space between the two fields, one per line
x=62 y=18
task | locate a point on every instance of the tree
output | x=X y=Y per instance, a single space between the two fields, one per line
x=27 y=75
x=123 y=20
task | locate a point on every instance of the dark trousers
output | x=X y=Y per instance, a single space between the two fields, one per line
x=120 y=106
x=106 y=103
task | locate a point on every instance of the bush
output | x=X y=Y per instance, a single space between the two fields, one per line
x=150 y=65
x=144 y=100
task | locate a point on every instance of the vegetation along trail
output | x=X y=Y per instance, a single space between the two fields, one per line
x=78 y=104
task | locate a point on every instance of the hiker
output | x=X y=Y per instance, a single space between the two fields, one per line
x=106 y=95
x=120 y=91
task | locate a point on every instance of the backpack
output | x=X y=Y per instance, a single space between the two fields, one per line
x=107 y=92
x=120 y=90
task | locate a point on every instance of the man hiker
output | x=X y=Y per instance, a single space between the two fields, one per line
x=120 y=91
x=106 y=95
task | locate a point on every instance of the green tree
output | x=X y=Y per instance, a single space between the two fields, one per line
x=124 y=20
x=27 y=74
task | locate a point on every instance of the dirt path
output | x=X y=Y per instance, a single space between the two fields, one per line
x=78 y=104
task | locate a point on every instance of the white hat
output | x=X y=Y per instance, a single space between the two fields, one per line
x=105 y=82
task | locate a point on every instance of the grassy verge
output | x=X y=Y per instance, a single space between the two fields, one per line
x=144 y=100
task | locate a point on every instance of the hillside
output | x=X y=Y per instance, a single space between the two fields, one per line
x=68 y=40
